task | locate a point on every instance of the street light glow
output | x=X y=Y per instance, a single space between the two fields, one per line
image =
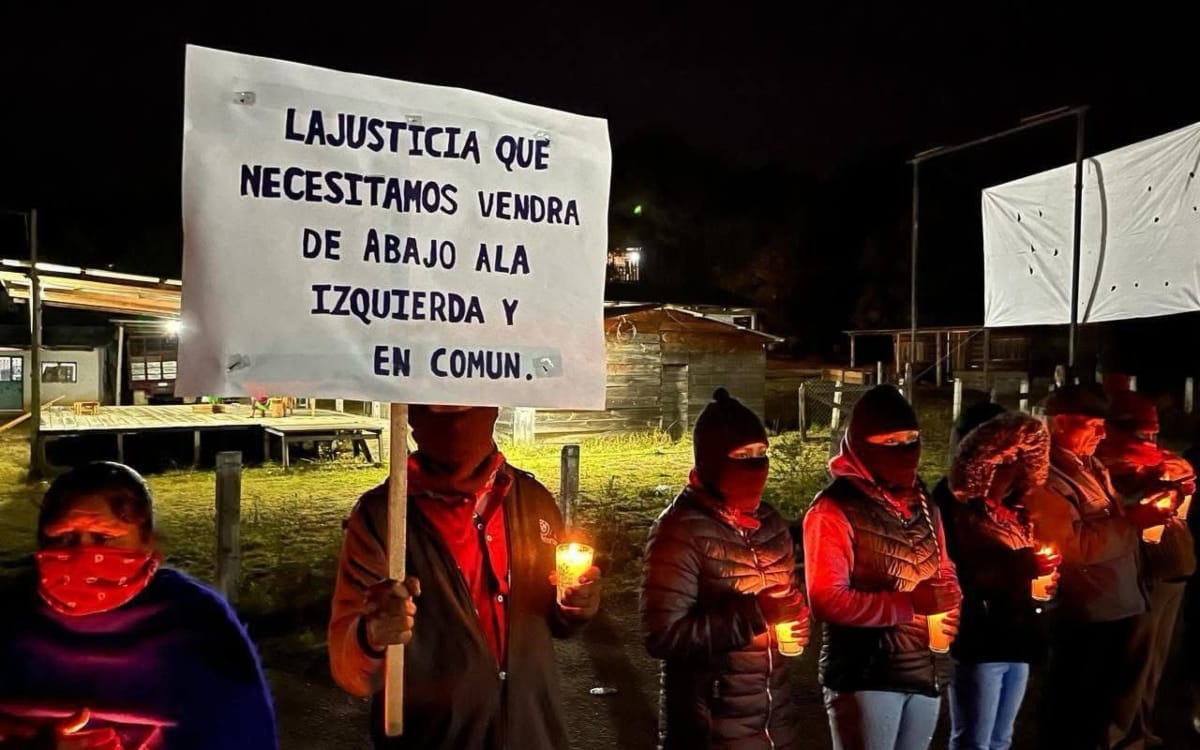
x=173 y=327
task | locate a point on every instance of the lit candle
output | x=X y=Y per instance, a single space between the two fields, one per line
x=788 y=645
x=1182 y=512
x=939 y=641
x=1153 y=535
x=1042 y=584
x=571 y=561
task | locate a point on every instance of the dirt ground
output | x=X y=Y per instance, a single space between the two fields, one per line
x=315 y=715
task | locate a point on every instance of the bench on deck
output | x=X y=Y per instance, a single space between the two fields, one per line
x=358 y=435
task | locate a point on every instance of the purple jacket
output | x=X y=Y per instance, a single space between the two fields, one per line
x=173 y=669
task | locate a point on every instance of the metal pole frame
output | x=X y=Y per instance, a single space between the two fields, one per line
x=35 y=351
x=1028 y=123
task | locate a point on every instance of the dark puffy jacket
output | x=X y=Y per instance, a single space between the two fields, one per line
x=992 y=550
x=1077 y=513
x=723 y=678
x=890 y=555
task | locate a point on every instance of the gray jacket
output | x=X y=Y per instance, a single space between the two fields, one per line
x=1077 y=513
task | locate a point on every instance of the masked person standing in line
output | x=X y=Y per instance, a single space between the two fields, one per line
x=1092 y=670
x=479 y=665
x=877 y=567
x=1142 y=472
x=718 y=582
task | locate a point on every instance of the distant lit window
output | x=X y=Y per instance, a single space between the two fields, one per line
x=59 y=372
x=625 y=264
x=10 y=369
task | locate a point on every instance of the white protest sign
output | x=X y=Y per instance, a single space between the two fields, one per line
x=358 y=237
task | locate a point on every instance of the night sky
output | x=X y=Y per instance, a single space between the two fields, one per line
x=747 y=134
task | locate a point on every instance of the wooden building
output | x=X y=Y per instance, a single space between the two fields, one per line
x=76 y=364
x=664 y=362
x=985 y=359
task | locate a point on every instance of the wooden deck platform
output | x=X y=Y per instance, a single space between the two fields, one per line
x=120 y=421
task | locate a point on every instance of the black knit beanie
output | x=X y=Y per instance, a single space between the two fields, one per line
x=880 y=411
x=1079 y=400
x=724 y=424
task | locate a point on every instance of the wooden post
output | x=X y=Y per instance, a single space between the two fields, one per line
x=524 y=421
x=909 y=385
x=836 y=419
x=339 y=405
x=195 y=448
x=879 y=373
x=1189 y=395
x=937 y=365
x=1133 y=383
x=120 y=447
x=1024 y=405
x=120 y=362
x=34 y=373
x=958 y=393
x=397 y=533
x=568 y=484
x=229 y=522
x=987 y=359
x=853 y=351
x=803 y=415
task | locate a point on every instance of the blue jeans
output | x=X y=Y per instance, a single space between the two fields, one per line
x=984 y=701
x=881 y=720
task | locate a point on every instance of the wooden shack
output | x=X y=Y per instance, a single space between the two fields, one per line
x=663 y=365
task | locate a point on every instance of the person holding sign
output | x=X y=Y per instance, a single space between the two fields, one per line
x=1007 y=575
x=479 y=609
x=719 y=604
x=1144 y=472
x=881 y=582
x=1092 y=672
x=111 y=651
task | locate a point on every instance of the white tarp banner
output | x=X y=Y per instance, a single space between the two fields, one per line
x=357 y=237
x=1140 y=248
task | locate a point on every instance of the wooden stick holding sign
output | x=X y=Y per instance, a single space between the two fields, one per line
x=397 y=543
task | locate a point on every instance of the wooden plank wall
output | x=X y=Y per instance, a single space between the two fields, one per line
x=633 y=389
x=742 y=373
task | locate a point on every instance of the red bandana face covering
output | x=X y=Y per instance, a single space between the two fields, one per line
x=90 y=580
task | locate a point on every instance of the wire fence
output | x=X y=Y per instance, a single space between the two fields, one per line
x=825 y=407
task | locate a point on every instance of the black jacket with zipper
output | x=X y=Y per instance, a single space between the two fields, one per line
x=724 y=682
x=455 y=693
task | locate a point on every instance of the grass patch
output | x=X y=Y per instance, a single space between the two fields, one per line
x=292 y=521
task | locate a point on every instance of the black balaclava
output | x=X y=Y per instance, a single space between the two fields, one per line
x=882 y=410
x=454 y=445
x=723 y=426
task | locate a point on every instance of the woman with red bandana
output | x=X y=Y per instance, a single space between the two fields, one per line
x=1142 y=471
x=876 y=562
x=718 y=580
x=112 y=651
x=479 y=665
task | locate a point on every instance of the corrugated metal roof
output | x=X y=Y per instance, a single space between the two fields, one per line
x=94 y=289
